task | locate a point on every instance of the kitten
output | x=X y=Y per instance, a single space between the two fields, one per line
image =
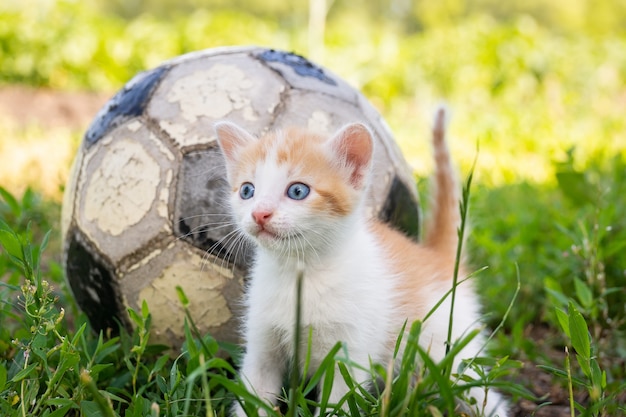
x=299 y=196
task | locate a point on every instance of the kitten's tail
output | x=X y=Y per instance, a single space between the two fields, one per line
x=442 y=231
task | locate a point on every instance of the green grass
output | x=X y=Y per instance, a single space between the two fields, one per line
x=567 y=249
x=568 y=242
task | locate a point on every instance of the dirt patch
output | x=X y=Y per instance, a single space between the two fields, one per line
x=40 y=130
x=27 y=106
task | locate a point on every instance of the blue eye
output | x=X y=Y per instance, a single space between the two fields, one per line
x=246 y=191
x=298 y=191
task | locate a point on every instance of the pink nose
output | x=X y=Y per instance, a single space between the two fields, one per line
x=261 y=216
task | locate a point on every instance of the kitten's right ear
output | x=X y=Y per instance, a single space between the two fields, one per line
x=230 y=138
x=354 y=146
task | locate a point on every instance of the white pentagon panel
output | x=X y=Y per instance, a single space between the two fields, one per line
x=197 y=93
x=124 y=190
x=211 y=286
x=319 y=112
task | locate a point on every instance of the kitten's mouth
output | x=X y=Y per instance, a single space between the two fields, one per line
x=267 y=233
x=264 y=233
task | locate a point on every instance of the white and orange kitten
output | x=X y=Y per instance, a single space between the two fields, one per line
x=299 y=196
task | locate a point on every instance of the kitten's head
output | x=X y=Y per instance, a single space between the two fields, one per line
x=293 y=190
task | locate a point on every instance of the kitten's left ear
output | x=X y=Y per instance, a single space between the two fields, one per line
x=354 y=145
x=230 y=138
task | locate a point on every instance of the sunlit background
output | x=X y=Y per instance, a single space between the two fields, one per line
x=527 y=80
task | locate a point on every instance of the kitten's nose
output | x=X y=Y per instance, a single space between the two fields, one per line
x=261 y=216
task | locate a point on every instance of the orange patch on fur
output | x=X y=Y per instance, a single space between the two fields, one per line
x=310 y=162
x=415 y=264
x=335 y=203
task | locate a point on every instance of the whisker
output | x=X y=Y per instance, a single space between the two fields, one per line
x=195 y=216
x=203 y=228
x=222 y=244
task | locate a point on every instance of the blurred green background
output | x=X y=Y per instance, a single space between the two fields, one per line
x=528 y=80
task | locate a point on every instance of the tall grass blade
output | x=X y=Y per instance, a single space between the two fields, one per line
x=463 y=208
x=295 y=370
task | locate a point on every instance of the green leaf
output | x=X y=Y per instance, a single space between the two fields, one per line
x=3 y=377
x=63 y=409
x=329 y=376
x=574 y=185
x=481 y=361
x=79 y=334
x=554 y=371
x=584 y=293
x=210 y=346
x=96 y=369
x=597 y=376
x=554 y=289
x=174 y=377
x=579 y=332
x=59 y=402
x=161 y=384
x=91 y=409
x=579 y=335
x=10 y=241
x=11 y=201
x=182 y=296
x=585 y=366
x=192 y=349
x=159 y=364
x=563 y=319
x=24 y=373
x=39 y=347
x=327 y=365
x=145 y=311
x=44 y=243
x=442 y=380
x=107 y=348
x=68 y=360
x=135 y=318
x=399 y=340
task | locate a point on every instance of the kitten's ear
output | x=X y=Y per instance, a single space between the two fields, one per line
x=354 y=146
x=230 y=138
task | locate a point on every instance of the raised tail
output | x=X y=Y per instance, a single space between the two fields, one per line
x=445 y=219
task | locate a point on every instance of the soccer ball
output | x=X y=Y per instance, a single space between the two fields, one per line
x=144 y=211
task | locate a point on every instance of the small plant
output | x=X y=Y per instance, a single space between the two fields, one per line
x=42 y=356
x=587 y=298
x=594 y=379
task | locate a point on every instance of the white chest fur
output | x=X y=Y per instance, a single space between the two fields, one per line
x=347 y=298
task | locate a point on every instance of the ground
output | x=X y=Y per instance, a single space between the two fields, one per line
x=49 y=108
x=40 y=130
